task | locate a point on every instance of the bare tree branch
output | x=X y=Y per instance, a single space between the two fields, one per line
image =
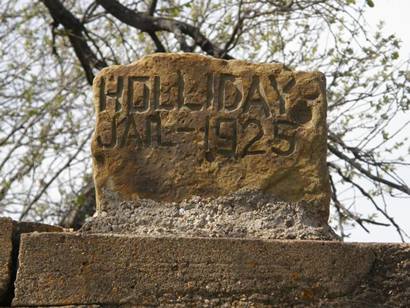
x=368 y=196
x=75 y=30
x=49 y=182
x=152 y=7
x=147 y=23
x=342 y=209
x=157 y=42
x=370 y=175
x=159 y=46
x=237 y=29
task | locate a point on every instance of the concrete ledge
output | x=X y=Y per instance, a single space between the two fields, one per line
x=10 y=232
x=70 y=269
x=6 y=253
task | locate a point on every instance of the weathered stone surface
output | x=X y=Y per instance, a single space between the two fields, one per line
x=10 y=232
x=171 y=126
x=113 y=270
x=6 y=252
x=22 y=227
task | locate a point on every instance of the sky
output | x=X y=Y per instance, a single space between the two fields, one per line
x=395 y=15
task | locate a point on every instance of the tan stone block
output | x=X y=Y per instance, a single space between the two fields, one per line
x=65 y=269
x=6 y=252
x=10 y=232
x=170 y=126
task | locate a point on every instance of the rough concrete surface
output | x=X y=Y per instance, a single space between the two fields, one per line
x=10 y=232
x=244 y=214
x=6 y=252
x=171 y=126
x=107 y=270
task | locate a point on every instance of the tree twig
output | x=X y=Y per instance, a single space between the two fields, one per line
x=75 y=29
x=368 y=196
x=147 y=23
x=370 y=175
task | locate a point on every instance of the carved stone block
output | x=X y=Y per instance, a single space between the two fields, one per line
x=171 y=126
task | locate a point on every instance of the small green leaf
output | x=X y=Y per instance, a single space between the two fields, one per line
x=370 y=3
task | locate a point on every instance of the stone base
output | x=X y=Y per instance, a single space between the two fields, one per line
x=72 y=269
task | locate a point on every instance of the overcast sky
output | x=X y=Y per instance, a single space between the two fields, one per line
x=395 y=14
